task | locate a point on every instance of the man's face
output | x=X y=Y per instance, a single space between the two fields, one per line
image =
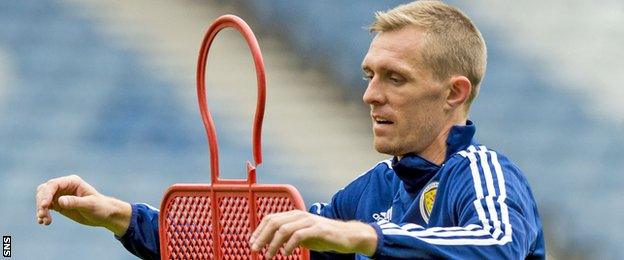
x=407 y=104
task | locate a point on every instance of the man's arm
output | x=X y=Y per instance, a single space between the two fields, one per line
x=76 y=199
x=496 y=219
x=295 y=228
x=136 y=226
x=327 y=229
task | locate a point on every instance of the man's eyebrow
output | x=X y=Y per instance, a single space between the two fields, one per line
x=400 y=68
x=389 y=68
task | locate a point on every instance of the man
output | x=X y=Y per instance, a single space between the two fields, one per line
x=441 y=196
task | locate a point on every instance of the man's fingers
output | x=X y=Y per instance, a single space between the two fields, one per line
x=45 y=197
x=74 y=202
x=259 y=228
x=41 y=194
x=38 y=196
x=43 y=202
x=267 y=219
x=284 y=233
x=296 y=239
x=265 y=231
x=41 y=213
x=46 y=192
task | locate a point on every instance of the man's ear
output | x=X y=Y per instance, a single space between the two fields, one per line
x=460 y=90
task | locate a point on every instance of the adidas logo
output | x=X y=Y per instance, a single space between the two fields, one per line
x=383 y=215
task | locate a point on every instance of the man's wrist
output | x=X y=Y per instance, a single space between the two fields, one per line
x=366 y=238
x=119 y=219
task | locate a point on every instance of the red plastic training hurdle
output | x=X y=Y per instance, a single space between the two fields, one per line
x=215 y=221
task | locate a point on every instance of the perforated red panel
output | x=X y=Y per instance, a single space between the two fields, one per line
x=207 y=222
x=273 y=203
x=215 y=221
x=234 y=224
x=188 y=227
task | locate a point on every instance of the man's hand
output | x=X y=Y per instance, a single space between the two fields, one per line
x=295 y=228
x=74 y=198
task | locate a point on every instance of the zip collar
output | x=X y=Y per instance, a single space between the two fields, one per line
x=416 y=171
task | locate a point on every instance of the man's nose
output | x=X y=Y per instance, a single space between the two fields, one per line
x=374 y=94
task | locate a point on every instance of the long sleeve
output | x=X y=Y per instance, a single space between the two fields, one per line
x=328 y=211
x=342 y=206
x=491 y=207
x=141 y=238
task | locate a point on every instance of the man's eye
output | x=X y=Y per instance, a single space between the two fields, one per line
x=396 y=80
x=367 y=78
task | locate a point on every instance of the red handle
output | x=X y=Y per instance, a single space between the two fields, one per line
x=242 y=27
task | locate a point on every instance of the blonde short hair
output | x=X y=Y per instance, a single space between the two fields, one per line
x=453 y=45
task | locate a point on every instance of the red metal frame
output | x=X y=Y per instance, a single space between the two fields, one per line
x=206 y=221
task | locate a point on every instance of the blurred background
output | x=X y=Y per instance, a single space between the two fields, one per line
x=106 y=90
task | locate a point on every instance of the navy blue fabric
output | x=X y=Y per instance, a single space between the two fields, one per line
x=141 y=238
x=483 y=208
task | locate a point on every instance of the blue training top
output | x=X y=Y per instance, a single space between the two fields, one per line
x=476 y=205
